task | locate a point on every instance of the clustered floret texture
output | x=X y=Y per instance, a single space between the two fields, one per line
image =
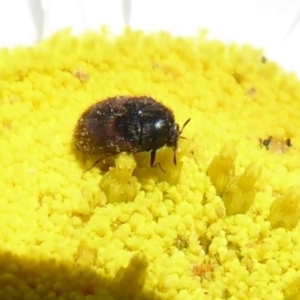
x=222 y=224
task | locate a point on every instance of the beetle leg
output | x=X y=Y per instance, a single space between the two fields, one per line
x=96 y=162
x=174 y=157
x=159 y=165
x=152 y=157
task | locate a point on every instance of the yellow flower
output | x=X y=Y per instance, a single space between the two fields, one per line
x=222 y=224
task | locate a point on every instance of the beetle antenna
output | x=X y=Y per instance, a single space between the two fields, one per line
x=183 y=126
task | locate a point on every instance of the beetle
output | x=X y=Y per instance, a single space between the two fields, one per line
x=127 y=124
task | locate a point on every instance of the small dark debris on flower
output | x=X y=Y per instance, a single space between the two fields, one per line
x=278 y=145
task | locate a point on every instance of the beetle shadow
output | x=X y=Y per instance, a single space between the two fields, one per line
x=41 y=278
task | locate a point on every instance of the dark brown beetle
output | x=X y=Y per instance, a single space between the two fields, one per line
x=127 y=124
